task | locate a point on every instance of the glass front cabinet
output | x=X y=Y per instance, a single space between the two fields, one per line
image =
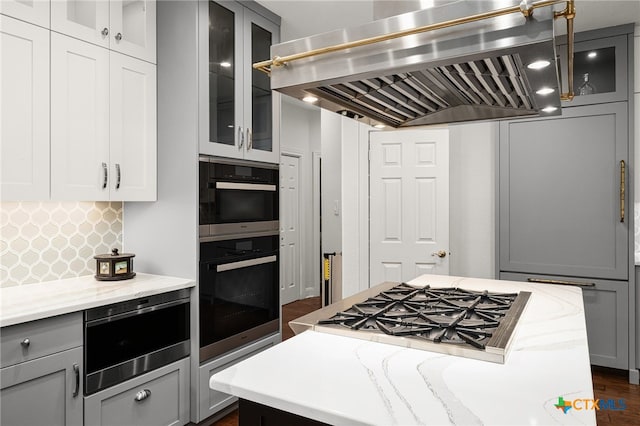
x=238 y=112
x=599 y=70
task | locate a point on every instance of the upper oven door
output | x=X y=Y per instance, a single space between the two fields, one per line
x=237 y=199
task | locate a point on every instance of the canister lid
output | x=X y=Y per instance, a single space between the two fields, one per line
x=114 y=255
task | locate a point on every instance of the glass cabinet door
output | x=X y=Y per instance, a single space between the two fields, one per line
x=133 y=28
x=599 y=71
x=86 y=20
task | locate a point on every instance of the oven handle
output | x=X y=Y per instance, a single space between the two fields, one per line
x=136 y=312
x=246 y=186
x=245 y=263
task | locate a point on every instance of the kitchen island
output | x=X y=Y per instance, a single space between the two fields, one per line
x=341 y=380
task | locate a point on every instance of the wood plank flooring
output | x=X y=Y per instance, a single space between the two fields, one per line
x=607 y=383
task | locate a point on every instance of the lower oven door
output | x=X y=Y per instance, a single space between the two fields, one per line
x=239 y=293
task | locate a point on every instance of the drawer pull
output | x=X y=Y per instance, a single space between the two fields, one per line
x=76 y=371
x=560 y=282
x=25 y=343
x=142 y=395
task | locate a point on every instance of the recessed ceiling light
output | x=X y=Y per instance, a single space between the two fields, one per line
x=310 y=99
x=592 y=55
x=538 y=65
x=379 y=126
x=225 y=64
x=545 y=91
x=549 y=109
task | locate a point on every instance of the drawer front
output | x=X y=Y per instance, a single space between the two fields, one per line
x=606 y=310
x=160 y=397
x=35 y=339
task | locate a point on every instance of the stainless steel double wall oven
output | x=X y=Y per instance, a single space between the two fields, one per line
x=239 y=254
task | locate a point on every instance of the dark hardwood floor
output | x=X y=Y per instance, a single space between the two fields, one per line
x=607 y=383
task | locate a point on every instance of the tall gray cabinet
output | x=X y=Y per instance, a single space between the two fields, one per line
x=565 y=202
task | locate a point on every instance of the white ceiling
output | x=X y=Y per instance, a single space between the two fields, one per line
x=301 y=18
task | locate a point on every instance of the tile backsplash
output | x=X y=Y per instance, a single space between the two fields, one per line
x=44 y=241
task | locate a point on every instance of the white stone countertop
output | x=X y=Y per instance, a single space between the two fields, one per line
x=42 y=300
x=346 y=381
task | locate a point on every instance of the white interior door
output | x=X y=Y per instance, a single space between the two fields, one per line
x=409 y=204
x=290 y=269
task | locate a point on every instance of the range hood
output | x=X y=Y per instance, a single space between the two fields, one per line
x=463 y=61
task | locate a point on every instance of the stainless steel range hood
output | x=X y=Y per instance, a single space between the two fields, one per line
x=467 y=60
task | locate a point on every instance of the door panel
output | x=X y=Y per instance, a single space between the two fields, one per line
x=560 y=194
x=409 y=204
x=86 y=20
x=289 y=229
x=35 y=12
x=133 y=28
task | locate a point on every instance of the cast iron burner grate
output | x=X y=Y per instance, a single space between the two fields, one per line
x=440 y=315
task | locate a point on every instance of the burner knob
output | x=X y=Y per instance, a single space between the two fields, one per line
x=439 y=253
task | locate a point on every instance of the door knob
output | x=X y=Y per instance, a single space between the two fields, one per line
x=439 y=253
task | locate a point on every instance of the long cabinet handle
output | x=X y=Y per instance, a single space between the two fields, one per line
x=561 y=282
x=118 y=175
x=623 y=172
x=76 y=371
x=249 y=139
x=105 y=175
x=240 y=138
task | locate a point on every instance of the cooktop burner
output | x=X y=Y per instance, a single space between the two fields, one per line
x=448 y=320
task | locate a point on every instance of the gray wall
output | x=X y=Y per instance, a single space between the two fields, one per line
x=472 y=199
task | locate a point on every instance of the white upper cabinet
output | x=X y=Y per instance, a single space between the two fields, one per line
x=238 y=113
x=103 y=124
x=79 y=120
x=132 y=147
x=128 y=27
x=33 y=11
x=24 y=106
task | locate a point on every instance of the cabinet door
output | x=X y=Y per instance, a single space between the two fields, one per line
x=24 y=122
x=160 y=397
x=35 y=12
x=260 y=105
x=560 y=185
x=79 y=120
x=133 y=28
x=133 y=139
x=222 y=131
x=599 y=71
x=45 y=391
x=87 y=20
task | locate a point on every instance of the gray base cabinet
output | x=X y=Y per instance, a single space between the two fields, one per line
x=606 y=307
x=158 y=398
x=211 y=401
x=41 y=375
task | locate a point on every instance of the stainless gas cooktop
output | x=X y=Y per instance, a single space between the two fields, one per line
x=453 y=321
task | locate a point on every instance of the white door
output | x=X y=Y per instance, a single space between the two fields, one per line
x=132 y=129
x=133 y=28
x=86 y=20
x=24 y=122
x=79 y=120
x=409 y=204
x=289 y=228
x=35 y=12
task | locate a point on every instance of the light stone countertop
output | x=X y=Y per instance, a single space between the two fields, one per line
x=345 y=381
x=31 y=302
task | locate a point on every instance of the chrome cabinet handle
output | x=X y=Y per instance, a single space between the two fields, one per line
x=623 y=170
x=25 y=343
x=560 y=282
x=249 y=139
x=105 y=32
x=240 y=138
x=142 y=395
x=76 y=371
x=118 y=175
x=118 y=36
x=104 y=175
